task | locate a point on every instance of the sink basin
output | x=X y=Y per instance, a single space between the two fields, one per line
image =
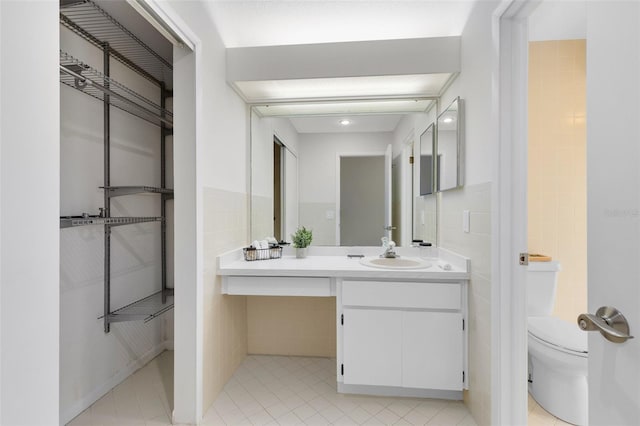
x=395 y=263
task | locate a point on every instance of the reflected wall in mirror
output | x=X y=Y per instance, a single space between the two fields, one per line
x=449 y=140
x=426 y=161
x=314 y=146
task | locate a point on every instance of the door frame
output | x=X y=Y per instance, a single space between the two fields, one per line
x=188 y=309
x=339 y=156
x=509 y=204
x=407 y=197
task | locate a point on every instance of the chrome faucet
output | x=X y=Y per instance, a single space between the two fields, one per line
x=388 y=246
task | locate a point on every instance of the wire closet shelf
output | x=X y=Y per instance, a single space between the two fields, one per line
x=92 y=23
x=80 y=76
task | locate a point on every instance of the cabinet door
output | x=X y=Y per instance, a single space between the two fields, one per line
x=372 y=347
x=432 y=350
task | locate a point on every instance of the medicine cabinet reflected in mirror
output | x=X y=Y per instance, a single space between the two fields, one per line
x=449 y=142
x=427 y=161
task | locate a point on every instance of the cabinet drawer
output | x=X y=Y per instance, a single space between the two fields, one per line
x=402 y=294
x=278 y=286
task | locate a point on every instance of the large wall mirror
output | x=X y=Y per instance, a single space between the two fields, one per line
x=449 y=142
x=317 y=171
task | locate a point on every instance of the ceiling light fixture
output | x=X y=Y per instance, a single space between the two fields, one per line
x=448 y=120
x=345 y=122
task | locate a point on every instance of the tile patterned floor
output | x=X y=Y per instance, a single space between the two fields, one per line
x=539 y=417
x=280 y=390
x=268 y=390
x=144 y=398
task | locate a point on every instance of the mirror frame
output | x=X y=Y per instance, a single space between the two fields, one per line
x=414 y=140
x=431 y=127
x=459 y=146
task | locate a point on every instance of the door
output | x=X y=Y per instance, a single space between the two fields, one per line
x=613 y=209
x=362 y=217
x=388 y=216
x=432 y=350
x=372 y=347
x=277 y=189
x=613 y=205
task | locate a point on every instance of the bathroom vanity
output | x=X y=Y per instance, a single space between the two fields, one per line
x=400 y=332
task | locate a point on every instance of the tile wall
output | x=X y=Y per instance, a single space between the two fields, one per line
x=225 y=317
x=261 y=217
x=557 y=166
x=476 y=245
x=303 y=326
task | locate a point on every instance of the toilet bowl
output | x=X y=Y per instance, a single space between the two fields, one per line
x=557 y=350
x=558 y=368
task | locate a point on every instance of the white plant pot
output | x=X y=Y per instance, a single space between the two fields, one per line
x=301 y=253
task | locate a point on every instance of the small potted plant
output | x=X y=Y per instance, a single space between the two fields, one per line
x=301 y=240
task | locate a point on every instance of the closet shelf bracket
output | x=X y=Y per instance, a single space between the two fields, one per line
x=144 y=309
x=72 y=221
x=117 y=191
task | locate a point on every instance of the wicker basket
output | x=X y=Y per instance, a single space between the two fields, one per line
x=252 y=253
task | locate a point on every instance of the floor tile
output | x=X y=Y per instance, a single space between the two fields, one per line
x=275 y=390
x=387 y=417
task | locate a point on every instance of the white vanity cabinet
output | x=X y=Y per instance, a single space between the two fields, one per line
x=403 y=338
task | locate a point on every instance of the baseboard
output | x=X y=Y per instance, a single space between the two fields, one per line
x=68 y=414
x=399 y=391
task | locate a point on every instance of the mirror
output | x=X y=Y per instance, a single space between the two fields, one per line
x=426 y=161
x=449 y=143
x=317 y=157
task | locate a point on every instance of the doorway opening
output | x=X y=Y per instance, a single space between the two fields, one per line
x=277 y=188
x=361 y=187
x=557 y=213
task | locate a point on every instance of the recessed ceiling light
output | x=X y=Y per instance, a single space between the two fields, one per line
x=448 y=120
x=345 y=122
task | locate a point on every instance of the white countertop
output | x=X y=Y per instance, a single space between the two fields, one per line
x=333 y=262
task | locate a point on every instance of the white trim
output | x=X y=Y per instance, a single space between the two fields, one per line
x=509 y=204
x=199 y=308
x=406 y=209
x=191 y=310
x=338 y=156
x=165 y=21
x=1 y=258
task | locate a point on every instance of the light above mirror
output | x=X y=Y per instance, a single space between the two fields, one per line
x=342 y=108
x=344 y=87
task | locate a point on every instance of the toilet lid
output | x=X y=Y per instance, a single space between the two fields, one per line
x=558 y=332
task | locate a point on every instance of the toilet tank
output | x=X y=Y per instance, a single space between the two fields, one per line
x=542 y=280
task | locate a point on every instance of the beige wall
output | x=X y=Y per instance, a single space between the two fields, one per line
x=476 y=245
x=303 y=326
x=557 y=166
x=225 y=317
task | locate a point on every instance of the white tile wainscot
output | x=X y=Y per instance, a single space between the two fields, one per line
x=400 y=332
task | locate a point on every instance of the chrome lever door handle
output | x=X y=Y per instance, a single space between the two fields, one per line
x=609 y=322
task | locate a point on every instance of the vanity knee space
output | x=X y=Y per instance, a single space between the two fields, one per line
x=404 y=338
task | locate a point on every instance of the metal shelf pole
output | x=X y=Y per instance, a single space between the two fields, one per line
x=163 y=197
x=107 y=200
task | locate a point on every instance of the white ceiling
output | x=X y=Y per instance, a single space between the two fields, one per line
x=358 y=123
x=559 y=20
x=254 y=23
x=244 y=23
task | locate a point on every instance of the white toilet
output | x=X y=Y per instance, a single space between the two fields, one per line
x=557 y=350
